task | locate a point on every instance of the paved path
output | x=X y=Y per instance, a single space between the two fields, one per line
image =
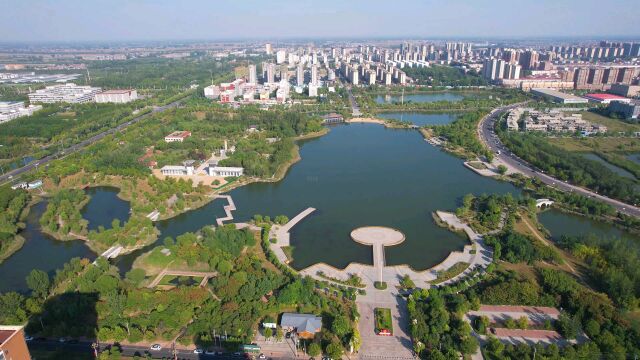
x=205 y=276
x=281 y=234
x=509 y=159
x=227 y=209
x=378 y=238
x=355 y=109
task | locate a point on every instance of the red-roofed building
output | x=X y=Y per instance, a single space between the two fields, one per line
x=606 y=98
x=12 y=343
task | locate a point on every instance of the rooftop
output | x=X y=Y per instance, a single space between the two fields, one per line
x=6 y=332
x=302 y=322
x=603 y=96
x=117 y=91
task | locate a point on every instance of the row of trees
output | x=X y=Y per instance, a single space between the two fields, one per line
x=12 y=204
x=571 y=167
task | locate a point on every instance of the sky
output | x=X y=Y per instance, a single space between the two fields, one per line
x=131 y=20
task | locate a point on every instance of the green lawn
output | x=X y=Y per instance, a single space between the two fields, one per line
x=383 y=319
x=614 y=125
x=453 y=271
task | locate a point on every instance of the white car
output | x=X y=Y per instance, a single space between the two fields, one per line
x=156 y=347
x=198 y=351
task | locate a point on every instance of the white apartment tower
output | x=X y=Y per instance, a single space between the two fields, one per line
x=314 y=75
x=253 y=76
x=300 y=75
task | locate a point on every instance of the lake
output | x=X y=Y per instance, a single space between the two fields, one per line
x=104 y=207
x=356 y=175
x=419 y=98
x=616 y=169
x=561 y=223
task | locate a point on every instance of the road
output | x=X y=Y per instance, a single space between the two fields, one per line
x=502 y=153
x=355 y=109
x=127 y=350
x=81 y=145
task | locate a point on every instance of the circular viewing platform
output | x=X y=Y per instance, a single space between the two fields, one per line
x=377 y=235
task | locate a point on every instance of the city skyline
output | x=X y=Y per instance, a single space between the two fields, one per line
x=76 y=21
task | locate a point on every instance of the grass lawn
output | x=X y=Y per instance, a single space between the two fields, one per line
x=613 y=125
x=383 y=319
x=604 y=144
x=477 y=165
x=450 y=273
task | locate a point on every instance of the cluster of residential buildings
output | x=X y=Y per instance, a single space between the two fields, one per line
x=596 y=67
x=15 y=109
x=76 y=94
x=554 y=120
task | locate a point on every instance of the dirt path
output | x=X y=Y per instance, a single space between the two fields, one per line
x=537 y=235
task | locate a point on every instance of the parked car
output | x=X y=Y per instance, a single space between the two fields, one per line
x=156 y=347
x=28 y=338
x=198 y=351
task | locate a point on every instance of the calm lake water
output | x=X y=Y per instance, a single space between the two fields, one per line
x=616 y=169
x=104 y=207
x=40 y=251
x=419 y=98
x=420 y=119
x=634 y=157
x=561 y=223
x=357 y=175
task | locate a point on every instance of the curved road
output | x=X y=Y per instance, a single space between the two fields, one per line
x=491 y=140
x=79 y=146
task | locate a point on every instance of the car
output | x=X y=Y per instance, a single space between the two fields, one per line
x=28 y=338
x=198 y=351
x=62 y=340
x=156 y=347
x=262 y=356
x=288 y=335
x=210 y=352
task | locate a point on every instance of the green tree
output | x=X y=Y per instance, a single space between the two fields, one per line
x=38 y=281
x=334 y=350
x=406 y=282
x=314 y=349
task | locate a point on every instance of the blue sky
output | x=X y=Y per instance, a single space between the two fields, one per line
x=105 y=20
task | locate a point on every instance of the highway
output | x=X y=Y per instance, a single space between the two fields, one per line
x=81 y=145
x=490 y=139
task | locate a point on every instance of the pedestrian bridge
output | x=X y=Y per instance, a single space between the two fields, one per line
x=540 y=203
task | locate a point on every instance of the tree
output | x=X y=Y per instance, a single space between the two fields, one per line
x=314 y=349
x=406 y=282
x=268 y=333
x=38 y=281
x=136 y=276
x=334 y=350
x=340 y=326
x=502 y=169
x=522 y=322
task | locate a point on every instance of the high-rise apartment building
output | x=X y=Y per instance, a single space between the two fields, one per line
x=281 y=56
x=268 y=48
x=314 y=75
x=253 y=76
x=300 y=75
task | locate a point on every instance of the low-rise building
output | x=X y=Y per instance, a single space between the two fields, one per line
x=215 y=170
x=16 y=109
x=629 y=110
x=625 y=90
x=304 y=325
x=332 y=118
x=177 y=136
x=187 y=168
x=12 y=343
x=117 y=96
x=558 y=96
x=553 y=120
x=68 y=93
x=606 y=98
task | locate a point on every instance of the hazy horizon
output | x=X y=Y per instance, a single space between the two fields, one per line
x=43 y=21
